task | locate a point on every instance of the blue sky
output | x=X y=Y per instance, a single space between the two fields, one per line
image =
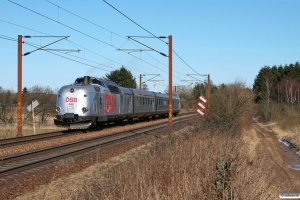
x=229 y=40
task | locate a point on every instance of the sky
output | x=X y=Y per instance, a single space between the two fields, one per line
x=230 y=40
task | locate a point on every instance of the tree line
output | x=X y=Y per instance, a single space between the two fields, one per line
x=279 y=84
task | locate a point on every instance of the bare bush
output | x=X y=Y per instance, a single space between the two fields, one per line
x=231 y=108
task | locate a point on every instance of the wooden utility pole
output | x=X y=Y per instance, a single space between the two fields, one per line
x=19 y=86
x=170 y=83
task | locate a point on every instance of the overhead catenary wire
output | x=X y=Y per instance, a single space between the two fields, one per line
x=86 y=35
x=36 y=46
x=73 y=43
x=134 y=21
x=83 y=33
x=30 y=44
x=107 y=31
x=47 y=50
x=150 y=33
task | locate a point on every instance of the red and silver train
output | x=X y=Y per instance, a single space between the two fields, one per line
x=91 y=102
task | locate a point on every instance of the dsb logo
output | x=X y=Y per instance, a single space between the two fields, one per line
x=71 y=99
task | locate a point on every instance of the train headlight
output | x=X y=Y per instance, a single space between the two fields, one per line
x=58 y=109
x=84 y=109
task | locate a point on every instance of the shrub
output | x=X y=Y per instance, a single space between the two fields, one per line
x=230 y=108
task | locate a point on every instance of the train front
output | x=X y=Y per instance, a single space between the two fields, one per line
x=72 y=105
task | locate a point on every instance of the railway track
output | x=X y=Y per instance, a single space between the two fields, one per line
x=43 y=136
x=16 y=163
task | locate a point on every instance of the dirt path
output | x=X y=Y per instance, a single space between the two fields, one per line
x=281 y=158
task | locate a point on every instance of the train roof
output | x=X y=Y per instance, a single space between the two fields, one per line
x=142 y=92
x=94 y=80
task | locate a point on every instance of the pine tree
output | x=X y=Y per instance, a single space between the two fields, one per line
x=122 y=77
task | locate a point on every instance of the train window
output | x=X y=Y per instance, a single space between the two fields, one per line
x=121 y=99
x=95 y=81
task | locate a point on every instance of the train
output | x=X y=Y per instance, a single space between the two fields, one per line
x=93 y=102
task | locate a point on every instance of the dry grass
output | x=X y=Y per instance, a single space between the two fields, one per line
x=7 y=133
x=181 y=167
x=292 y=135
x=185 y=167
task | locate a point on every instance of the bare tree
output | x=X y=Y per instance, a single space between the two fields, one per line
x=46 y=98
x=145 y=87
x=7 y=105
x=267 y=87
x=288 y=89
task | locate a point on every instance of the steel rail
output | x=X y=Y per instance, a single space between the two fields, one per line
x=33 y=138
x=29 y=160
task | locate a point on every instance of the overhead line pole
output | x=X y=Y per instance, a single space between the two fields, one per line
x=140 y=81
x=170 y=83
x=19 y=114
x=19 y=85
x=208 y=92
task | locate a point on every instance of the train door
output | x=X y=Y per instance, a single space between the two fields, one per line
x=101 y=104
x=130 y=103
x=121 y=104
x=152 y=104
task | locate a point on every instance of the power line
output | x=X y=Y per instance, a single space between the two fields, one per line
x=83 y=18
x=184 y=62
x=134 y=22
x=77 y=30
x=47 y=50
x=70 y=43
x=61 y=23
x=106 y=30
x=81 y=33
x=8 y=38
x=150 y=33
x=30 y=44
